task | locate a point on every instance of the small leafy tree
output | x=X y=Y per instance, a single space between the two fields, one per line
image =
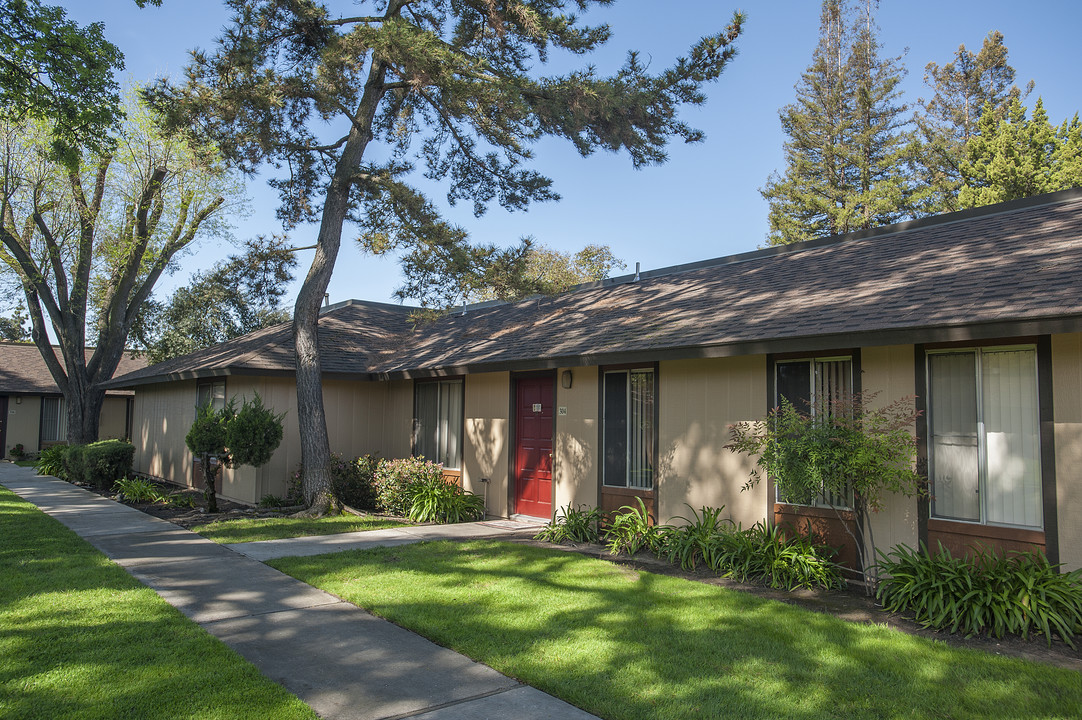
x=849 y=450
x=227 y=438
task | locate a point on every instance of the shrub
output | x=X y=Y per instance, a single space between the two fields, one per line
x=631 y=530
x=271 y=501
x=395 y=479
x=180 y=500
x=104 y=462
x=72 y=459
x=51 y=461
x=253 y=434
x=139 y=490
x=442 y=501
x=582 y=524
x=777 y=556
x=687 y=544
x=353 y=481
x=17 y=451
x=983 y=594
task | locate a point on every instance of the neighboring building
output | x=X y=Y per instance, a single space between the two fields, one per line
x=627 y=388
x=32 y=412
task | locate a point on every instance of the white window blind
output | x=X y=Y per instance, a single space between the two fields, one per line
x=984 y=440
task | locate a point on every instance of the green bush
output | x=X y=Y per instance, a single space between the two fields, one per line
x=443 y=501
x=983 y=594
x=582 y=524
x=686 y=545
x=140 y=490
x=353 y=481
x=72 y=459
x=778 y=556
x=395 y=480
x=104 y=462
x=51 y=461
x=253 y=434
x=630 y=530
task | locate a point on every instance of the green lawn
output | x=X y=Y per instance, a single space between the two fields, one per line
x=80 y=638
x=622 y=643
x=253 y=529
x=26 y=463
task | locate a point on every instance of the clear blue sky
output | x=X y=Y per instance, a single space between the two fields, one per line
x=704 y=202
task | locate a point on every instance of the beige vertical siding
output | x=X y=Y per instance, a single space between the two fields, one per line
x=114 y=418
x=23 y=423
x=164 y=413
x=576 y=453
x=889 y=371
x=1067 y=402
x=486 y=440
x=698 y=400
x=362 y=417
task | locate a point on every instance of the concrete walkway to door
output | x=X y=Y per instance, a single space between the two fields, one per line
x=342 y=661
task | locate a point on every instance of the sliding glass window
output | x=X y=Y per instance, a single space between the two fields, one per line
x=437 y=422
x=629 y=434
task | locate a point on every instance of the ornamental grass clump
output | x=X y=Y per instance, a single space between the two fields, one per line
x=630 y=530
x=443 y=501
x=776 y=556
x=984 y=593
x=395 y=481
x=571 y=524
x=688 y=544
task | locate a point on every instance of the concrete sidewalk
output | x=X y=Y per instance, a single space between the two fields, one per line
x=342 y=661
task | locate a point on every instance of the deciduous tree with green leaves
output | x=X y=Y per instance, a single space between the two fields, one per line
x=55 y=71
x=353 y=102
x=239 y=295
x=86 y=246
x=852 y=449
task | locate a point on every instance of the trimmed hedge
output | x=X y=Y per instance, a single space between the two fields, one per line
x=99 y=464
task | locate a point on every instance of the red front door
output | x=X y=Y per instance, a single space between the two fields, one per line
x=533 y=446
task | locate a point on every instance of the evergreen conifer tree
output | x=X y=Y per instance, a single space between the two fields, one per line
x=847 y=137
x=350 y=98
x=961 y=90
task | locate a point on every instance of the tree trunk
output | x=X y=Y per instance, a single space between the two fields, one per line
x=312 y=418
x=209 y=473
x=84 y=415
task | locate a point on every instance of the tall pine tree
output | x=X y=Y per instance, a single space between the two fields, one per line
x=355 y=100
x=847 y=135
x=961 y=90
x=1011 y=156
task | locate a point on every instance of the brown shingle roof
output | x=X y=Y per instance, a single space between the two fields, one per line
x=985 y=269
x=23 y=371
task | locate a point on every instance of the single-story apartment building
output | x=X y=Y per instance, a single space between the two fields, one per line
x=627 y=387
x=32 y=412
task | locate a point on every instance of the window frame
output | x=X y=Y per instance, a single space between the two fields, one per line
x=61 y=421
x=982 y=441
x=211 y=383
x=461 y=419
x=652 y=441
x=853 y=358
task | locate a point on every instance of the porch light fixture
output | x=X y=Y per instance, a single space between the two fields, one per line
x=565 y=379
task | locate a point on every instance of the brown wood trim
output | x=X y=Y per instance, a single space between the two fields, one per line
x=989 y=532
x=814 y=354
x=920 y=403
x=963 y=539
x=812 y=511
x=628 y=492
x=454 y=476
x=3 y=426
x=986 y=342
x=1046 y=418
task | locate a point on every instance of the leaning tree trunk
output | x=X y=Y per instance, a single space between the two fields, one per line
x=312 y=417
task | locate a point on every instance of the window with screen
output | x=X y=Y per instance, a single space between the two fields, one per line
x=628 y=429
x=437 y=422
